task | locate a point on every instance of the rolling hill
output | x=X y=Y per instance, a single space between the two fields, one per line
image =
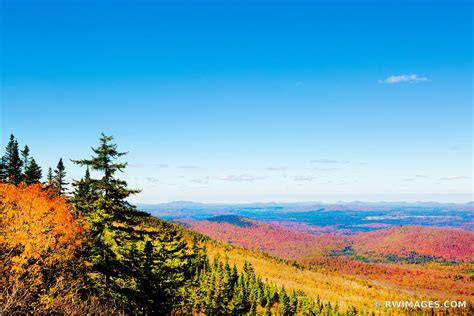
x=407 y=260
x=450 y=244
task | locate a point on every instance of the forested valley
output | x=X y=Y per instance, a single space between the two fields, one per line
x=84 y=249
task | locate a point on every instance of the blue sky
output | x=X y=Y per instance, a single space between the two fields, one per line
x=241 y=101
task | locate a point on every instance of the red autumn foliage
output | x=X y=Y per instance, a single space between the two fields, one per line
x=447 y=243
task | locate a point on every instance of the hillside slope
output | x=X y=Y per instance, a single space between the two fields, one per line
x=271 y=239
x=353 y=258
x=443 y=243
x=328 y=286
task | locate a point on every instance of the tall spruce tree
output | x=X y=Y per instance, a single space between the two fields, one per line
x=108 y=213
x=268 y=308
x=49 y=177
x=82 y=189
x=3 y=169
x=160 y=270
x=59 y=178
x=147 y=268
x=25 y=157
x=13 y=162
x=33 y=172
x=284 y=304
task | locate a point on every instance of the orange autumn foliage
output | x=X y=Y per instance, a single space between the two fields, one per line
x=38 y=233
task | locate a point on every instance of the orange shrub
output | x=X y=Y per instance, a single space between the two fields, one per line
x=39 y=237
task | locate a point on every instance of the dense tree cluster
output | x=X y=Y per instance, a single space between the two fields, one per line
x=223 y=290
x=19 y=167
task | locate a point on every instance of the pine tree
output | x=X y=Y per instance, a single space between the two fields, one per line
x=49 y=176
x=59 y=178
x=25 y=155
x=268 y=308
x=83 y=191
x=3 y=169
x=293 y=302
x=13 y=162
x=238 y=300
x=146 y=293
x=285 y=308
x=253 y=310
x=32 y=173
x=161 y=269
x=108 y=213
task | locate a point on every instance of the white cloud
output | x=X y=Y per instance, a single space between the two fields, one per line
x=277 y=168
x=303 y=178
x=455 y=178
x=241 y=178
x=200 y=180
x=153 y=179
x=144 y=165
x=325 y=169
x=403 y=78
x=188 y=167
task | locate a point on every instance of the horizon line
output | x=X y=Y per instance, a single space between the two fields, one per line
x=306 y=202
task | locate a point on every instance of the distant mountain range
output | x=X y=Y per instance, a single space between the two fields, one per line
x=341 y=205
x=343 y=218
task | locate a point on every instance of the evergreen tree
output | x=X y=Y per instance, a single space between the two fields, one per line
x=284 y=306
x=83 y=190
x=146 y=290
x=169 y=270
x=25 y=155
x=253 y=310
x=237 y=304
x=105 y=211
x=3 y=169
x=13 y=162
x=49 y=176
x=32 y=173
x=268 y=308
x=59 y=178
x=293 y=302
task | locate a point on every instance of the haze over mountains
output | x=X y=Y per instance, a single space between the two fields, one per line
x=341 y=218
x=189 y=204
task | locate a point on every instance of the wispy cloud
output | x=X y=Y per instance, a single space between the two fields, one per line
x=241 y=178
x=330 y=161
x=325 y=169
x=144 y=165
x=200 y=180
x=455 y=178
x=276 y=168
x=153 y=179
x=421 y=176
x=136 y=165
x=403 y=78
x=188 y=167
x=303 y=178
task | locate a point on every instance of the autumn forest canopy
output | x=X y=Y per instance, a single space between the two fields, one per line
x=88 y=250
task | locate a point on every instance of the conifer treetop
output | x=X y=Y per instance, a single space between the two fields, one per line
x=104 y=157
